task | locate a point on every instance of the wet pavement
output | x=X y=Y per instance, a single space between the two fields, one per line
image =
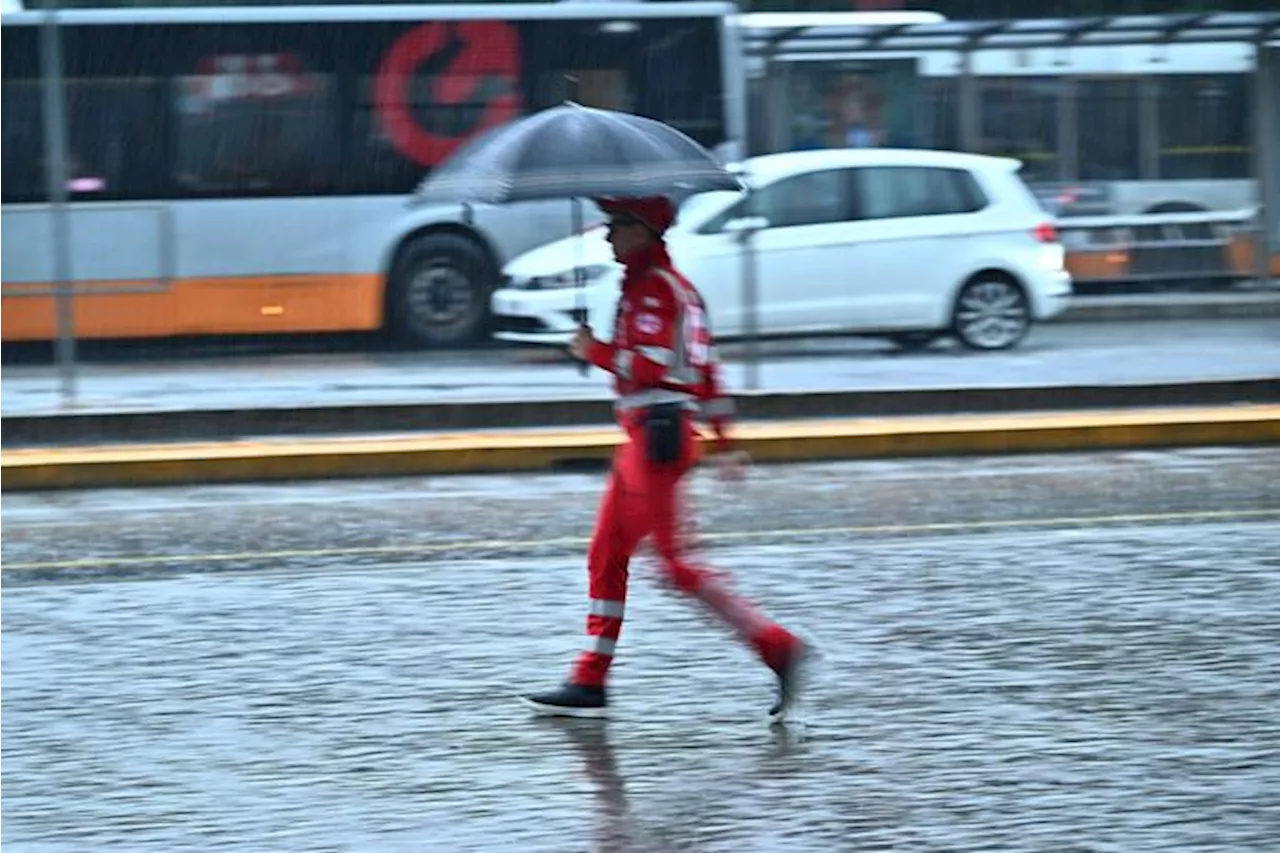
x=1074 y=652
x=1089 y=353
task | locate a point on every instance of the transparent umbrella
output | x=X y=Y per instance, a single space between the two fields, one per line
x=572 y=151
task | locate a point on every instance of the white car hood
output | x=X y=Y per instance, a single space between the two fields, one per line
x=589 y=249
x=592 y=248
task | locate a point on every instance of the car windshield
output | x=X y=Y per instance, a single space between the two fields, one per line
x=695 y=208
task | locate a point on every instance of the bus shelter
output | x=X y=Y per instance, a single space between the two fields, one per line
x=781 y=39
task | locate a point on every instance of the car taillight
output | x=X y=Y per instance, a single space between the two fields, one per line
x=1046 y=233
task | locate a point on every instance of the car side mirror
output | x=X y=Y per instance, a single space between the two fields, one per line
x=746 y=225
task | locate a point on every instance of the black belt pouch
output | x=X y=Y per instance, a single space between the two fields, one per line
x=664 y=433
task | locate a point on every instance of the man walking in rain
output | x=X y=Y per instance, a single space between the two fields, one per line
x=665 y=369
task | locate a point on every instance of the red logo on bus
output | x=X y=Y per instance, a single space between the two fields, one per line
x=475 y=64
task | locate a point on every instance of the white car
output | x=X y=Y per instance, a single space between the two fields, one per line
x=905 y=244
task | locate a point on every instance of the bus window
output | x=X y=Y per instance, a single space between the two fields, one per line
x=112 y=147
x=396 y=144
x=1204 y=126
x=424 y=89
x=653 y=68
x=669 y=82
x=376 y=166
x=1107 y=117
x=604 y=88
x=255 y=124
x=1020 y=119
x=427 y=88
x=23 y=130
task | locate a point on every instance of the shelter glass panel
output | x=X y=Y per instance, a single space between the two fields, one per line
x=1205 y=126
x=1108 y=112
x=1020 y=119
x=847 y=104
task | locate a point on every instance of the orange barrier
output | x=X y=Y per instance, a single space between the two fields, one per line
x=1241 y=251
x=1116 y=264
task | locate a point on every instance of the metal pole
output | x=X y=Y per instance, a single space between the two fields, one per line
x=1266 y=146
x=1068 y=131
x=1149 y=128
x=750 y=296
x=733 y=72
x=579 y=295
x=737 y=127
x=56 y=178
x=747 y=247
x=970 y=103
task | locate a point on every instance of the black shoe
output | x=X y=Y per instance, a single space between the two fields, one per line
x=790 y=677
x=570 y=700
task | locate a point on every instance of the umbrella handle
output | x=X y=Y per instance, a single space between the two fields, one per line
x=583 y=366
x=579 y=295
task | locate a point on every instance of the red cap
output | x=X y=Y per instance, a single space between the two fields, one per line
x=655 y=212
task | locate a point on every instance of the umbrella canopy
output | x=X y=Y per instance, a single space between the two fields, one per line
x=572 y=151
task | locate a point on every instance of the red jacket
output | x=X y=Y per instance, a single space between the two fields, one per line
x=662 y=348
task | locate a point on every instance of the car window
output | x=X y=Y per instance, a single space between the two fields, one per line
x=697 y=206
x=892 y=191
x=813 y=198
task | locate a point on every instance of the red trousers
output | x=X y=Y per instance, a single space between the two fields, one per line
x=643 y=499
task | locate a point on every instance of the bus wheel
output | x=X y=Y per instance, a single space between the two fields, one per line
x=439 y=291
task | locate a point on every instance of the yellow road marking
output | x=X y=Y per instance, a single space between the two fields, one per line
x=531 y=450
x=577 y=541
x=597 y=437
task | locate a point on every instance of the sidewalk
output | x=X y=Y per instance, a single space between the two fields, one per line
x=1052 y=356
x=1070 y=386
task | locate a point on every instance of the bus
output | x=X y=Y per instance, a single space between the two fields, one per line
x=1102 y=129
x=251 y=170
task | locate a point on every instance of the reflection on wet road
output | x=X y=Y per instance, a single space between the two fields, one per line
x=1039 y=653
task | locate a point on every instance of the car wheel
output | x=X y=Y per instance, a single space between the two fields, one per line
x=913 y=341
x=991 y=313
x=439 y=291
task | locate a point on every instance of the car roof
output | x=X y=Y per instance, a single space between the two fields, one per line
x=770 y=167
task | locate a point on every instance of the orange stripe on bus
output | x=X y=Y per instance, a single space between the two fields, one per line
x=200 y=306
